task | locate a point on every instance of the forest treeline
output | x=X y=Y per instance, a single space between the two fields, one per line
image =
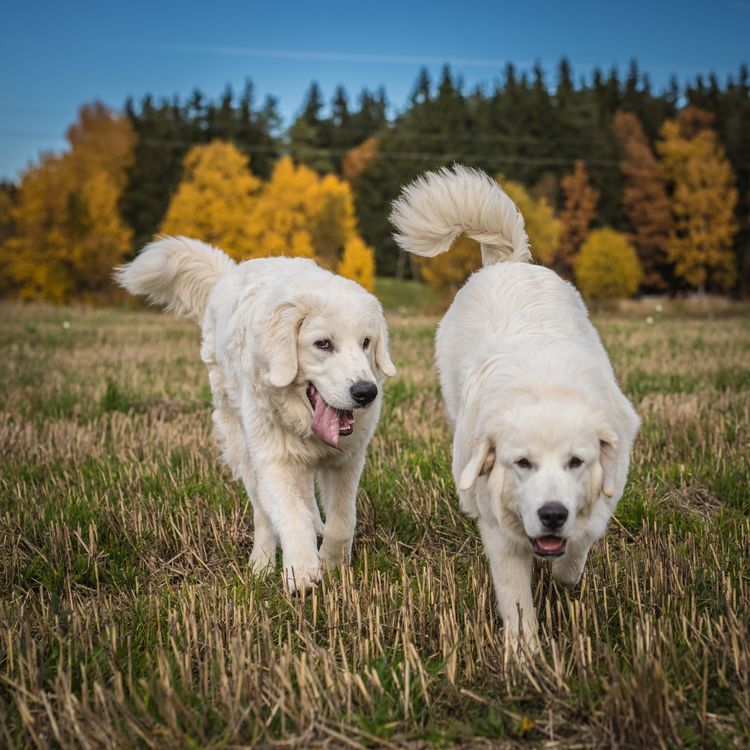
x=624 y=188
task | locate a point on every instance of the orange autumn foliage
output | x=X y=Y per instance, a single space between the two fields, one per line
x=645 y=202
x=68 y=232
x=576 y=216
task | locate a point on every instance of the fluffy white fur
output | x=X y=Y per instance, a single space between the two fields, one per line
x=539 y=420
x=439 y=206
x=263 y=322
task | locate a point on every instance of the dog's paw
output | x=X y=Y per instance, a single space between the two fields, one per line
x=302 y=577
x=318 y=526
x=261 y=561
x=334 y=555
x=522 y=647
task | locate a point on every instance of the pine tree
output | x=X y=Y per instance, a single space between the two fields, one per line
x=215 y=198
x=167 y=130
x=646 y=205
x=310 y=134
x=422 y=91
x=532 y=135
x=578 y=212
x=163 y=138
x=340 y=108
x=703 y=201
x=371 y=115
x=8 y=199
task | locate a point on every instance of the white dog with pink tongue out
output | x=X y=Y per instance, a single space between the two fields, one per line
x=542 y=432
x=296 y=357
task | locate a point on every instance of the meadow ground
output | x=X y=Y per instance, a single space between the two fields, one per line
x=129 y=617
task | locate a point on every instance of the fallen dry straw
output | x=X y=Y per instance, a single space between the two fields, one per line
x=128 y=616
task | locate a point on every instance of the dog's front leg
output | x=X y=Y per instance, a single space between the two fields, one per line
x=283 y=491
x=511 y=575
x=568 y=569
x=338 y=491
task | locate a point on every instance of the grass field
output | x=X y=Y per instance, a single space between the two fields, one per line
x=129 y=618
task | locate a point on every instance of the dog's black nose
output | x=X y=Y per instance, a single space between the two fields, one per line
x=363 y=392
x=553 y=515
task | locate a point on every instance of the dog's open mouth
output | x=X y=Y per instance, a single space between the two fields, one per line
x=328 y=424
x=549 y=546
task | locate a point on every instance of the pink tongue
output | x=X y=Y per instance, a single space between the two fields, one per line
x=326 y=422
x=550 y=543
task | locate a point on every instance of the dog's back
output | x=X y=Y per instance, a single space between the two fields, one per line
x=518 y=312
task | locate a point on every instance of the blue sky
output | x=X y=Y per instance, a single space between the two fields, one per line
x=56 y=56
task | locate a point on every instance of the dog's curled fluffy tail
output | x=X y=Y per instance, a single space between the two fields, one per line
x=437 y=207
x=176 y=272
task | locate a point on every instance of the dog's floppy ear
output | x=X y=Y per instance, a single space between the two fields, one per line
x=481 y=461
x=382 y=355
x=277 y=340
x=608 y=460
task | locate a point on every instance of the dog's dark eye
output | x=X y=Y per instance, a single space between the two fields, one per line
x=325 y=344
x=366 y=343
x=523 y=463
x=574 y=462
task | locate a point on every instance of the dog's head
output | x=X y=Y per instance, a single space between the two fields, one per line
x=330 y=348
x=547 y=458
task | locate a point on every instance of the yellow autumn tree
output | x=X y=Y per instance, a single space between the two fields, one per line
x=68 y=232
x=607 y=266
x=334 y=222
x=300 y=213
x=215 y=199
x=703 y=201
x=542 y=227
x=358 y=263
x=448 y=271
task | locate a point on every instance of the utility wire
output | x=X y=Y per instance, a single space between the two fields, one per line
x=390 y=155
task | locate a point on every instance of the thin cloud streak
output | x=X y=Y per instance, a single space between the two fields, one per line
x=348 y=57
x=389 y=59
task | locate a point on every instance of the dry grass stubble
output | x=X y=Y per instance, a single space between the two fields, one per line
x=128 y=616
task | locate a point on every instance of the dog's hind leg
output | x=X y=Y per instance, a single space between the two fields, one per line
x=232 y=444
x=317 y=520
x=264 y=542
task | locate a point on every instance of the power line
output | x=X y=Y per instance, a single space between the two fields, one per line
x=389 y=155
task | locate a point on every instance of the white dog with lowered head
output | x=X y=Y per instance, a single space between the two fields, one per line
x=296 y=357
x=542 y=432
